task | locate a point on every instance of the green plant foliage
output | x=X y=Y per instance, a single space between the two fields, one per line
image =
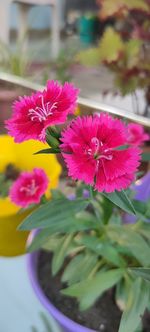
x=110 y=7
x=123 y=48
x=60 y=253
x=14 y=61
x=84 y=262
x=141 y=272
x=111 y=46
x=48 y=326
x=138 y=300
x=122 y=290
x=89 y=290
x=142 y=211
x=54 y=213
x=103 y=248
x=89 y=57
x=48 y=151
x=146 y=156
x=88 y=235
x=132 y=52
x=125 y=236
x=4 y=186
x=121 y=199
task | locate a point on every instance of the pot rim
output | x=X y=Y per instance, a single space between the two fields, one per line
x=63 y=320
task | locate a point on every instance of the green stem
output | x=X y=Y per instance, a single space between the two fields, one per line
x=96 y=267
x=91 y=192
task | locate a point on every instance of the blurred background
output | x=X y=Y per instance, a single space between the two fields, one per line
x=103 y=46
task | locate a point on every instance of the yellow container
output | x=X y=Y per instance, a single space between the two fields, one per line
x=12 y=241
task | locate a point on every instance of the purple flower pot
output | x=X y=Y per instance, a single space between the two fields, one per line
x=66 y=324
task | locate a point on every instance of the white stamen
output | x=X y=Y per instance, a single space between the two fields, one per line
x=41 y=113
x=30 y=189
x=89 y=152
x=109 y=157
x=96 y=142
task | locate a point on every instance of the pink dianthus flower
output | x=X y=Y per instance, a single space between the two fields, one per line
x=136 y=134
x=89 y=149
x=29 y=188
x=32 y=115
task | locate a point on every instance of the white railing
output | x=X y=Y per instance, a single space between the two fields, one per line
x=83 y=102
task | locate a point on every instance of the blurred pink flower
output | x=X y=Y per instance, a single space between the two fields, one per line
x=136 y=134
x=29 y=188
x=32 y=115
x=88 y=147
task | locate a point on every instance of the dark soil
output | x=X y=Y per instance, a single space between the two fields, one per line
x=104 y=316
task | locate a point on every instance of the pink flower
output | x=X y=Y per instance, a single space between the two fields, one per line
x=88 y=147
x=29 y=187
x=136 y=134
x=32 y=115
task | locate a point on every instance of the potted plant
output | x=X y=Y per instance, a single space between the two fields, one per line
x=124 y=49
x=91 y=254
x=13 y=161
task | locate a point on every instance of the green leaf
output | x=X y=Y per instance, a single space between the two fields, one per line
x=107 y=209
x=60 y=253
x=89 y=57
x=110 y=46
x=144 y=230
x=121 y=199
x=84 y=262
x=47 y=151
x=134 y=242
x=55 y=211
x=138 y=300
x=89 y=290
x=103 y=249
x=132 y=50
x=142 y=209
x=121 y=293
x=141 y=272
x=122 y=147
x=145 y=156
x=57 y=194
x=115 y=219
x=43 y=238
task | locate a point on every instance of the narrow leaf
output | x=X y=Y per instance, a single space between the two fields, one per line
x=89 y=290
x=52 y=213
x=134 y=242
x=121 y=199
x=84 y=262
x=47 y=151
x=141 y=272
x=60 y=253
x=103 y=249
x=138 y=300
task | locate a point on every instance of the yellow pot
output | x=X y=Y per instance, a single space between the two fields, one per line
x=12 y=241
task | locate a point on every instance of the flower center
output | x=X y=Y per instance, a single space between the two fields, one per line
x=97 y=150
x=30 y=189
x=42 y=113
